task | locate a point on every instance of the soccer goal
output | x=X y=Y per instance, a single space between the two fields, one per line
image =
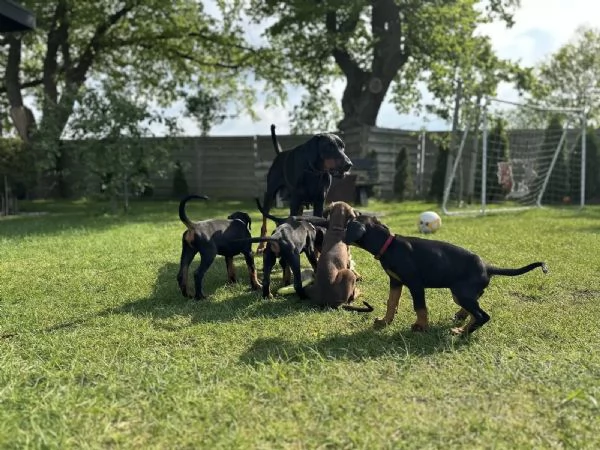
x=516 y=156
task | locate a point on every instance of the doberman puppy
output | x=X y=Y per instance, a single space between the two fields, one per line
x=293 y=236
x=211 y=238
x=335 y=282
x=423 y=263
x=305 y=172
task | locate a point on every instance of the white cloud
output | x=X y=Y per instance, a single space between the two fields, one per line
x=541 y=27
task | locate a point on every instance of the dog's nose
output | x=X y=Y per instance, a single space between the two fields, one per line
x=347 y=166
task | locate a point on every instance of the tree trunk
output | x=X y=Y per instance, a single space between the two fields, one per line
x=366 y=89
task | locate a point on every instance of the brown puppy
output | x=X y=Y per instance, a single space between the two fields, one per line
x=335 y=282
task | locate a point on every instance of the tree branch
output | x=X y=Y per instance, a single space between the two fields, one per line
x=341 y=55
x=25 y=85
x=57 y=35
x=77 y=75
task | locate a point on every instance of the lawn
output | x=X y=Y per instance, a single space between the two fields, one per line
x=99 y=349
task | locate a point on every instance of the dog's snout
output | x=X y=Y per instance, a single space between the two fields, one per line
x=347 y=166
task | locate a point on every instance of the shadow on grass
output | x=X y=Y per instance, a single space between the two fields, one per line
x=165 y=302
x=365 y=344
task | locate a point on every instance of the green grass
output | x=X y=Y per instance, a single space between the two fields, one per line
x=99 y=349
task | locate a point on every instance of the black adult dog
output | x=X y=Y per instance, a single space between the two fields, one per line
x=211 y=238
x=422 y=263
x=305 y=172
x=294 y=235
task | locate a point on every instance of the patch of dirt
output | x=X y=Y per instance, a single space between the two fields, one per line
x=526 y=297
x=580 y=295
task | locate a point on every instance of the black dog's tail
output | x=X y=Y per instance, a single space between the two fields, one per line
x=277 y=220
x=182 y=215
x=366 y=308
x=514 y=272
x=276 y=145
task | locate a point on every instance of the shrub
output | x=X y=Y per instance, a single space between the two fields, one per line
x=180 y=186
x=402 y=176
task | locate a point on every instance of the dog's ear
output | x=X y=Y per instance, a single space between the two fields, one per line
x=354 y=232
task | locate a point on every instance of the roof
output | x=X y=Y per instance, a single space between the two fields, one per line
x=13 y=17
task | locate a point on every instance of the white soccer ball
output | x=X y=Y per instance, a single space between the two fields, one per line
x=429 y=222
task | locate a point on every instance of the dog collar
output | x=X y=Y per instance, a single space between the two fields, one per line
x=385 y=246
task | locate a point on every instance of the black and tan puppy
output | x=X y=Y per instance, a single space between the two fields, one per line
x=211 y=238
x=423 y=263
x=305 y=172
x=292 y=237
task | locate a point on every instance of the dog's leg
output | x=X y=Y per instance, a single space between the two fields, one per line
x=318 y=206
x=294 y=265
x=269 y=260
x=285 y=269
x=267 y=202
x=187 y=256
x=207 y=257
x=418 y=295
x=230 y=269
x=469 y=301
x=461 y=315
x=254 y=283
x=311 y=255
x=392 y=305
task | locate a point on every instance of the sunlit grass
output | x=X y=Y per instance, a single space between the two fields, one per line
x=99 y=349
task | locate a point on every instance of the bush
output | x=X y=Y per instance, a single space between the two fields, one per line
x=16 y=163
x=438 y=177
x=402 y=176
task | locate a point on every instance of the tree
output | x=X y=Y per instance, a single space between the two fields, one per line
x=111 y=126
x=570 y=78
x=592 y=169
x=558 y=184
x=385 y=44
x=207 y=109
x=155 y=46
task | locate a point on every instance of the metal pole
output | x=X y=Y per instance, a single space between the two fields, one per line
x=583 y=157
x=554 y=158
x=484 y=137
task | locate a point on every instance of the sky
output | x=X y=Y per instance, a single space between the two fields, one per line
x=541 y=27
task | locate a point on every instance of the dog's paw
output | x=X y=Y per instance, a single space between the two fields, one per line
x=380 y=323
x=458 y=331
x=419 y=328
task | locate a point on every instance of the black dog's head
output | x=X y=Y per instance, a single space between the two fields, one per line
x=332 y=153
x=356 y=228
x=241 y=216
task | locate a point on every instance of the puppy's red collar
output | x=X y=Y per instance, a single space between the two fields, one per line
x=385 y=246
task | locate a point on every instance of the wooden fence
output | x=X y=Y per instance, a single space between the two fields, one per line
x=236 y=166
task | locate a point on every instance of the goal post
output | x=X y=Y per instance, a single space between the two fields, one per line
x=515 y=156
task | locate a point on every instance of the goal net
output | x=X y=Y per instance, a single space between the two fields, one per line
x=515 y=156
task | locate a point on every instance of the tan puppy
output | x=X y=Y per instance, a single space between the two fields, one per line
x=335 y=281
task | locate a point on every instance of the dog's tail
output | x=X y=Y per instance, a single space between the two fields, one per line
x=276 y=145
x=182 y=215
x=514 y=272
x=277 y=220
x=274 y=242
x=366 y=308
